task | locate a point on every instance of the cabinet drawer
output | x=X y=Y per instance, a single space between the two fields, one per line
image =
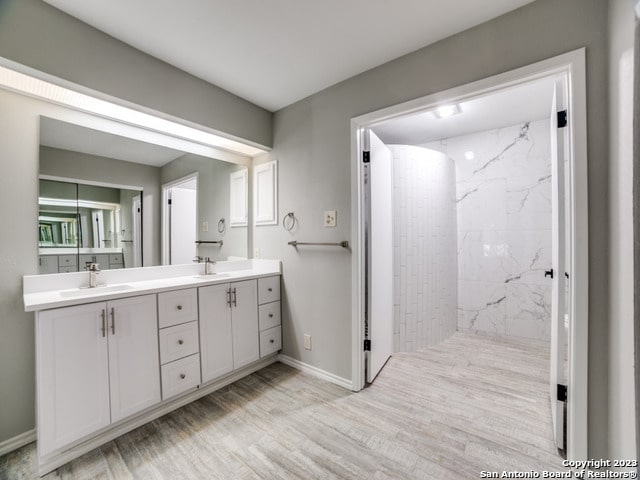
x=102 y=260
x=268 y=289
x=270 y=341
x=269 y=315
x=67 y=269
x=179 y=341
x=116 y=259
x=66 y=260
x=180 y=376
x=180 y=306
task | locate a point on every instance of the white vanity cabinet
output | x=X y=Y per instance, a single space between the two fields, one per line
x=229 y=337
x=97 y=364
x=151 y=340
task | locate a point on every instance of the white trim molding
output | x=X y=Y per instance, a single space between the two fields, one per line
x=571 y=67
x=18 y=441
x=315 y=371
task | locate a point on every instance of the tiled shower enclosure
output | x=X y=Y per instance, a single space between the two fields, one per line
x=493 y=189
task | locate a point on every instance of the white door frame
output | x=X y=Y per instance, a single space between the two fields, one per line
x=166 y=230
x=572 y=66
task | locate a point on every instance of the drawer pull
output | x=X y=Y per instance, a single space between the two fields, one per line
x=270 y=289
x=271 y=315
x=271 y=340
x=179 y=307
x=180 y=342
x=182 y=376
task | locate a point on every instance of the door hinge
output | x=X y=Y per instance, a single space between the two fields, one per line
x=562 y=393
x=366 y=157
x=169 y=201
x=548 y=273
x=367 y=345
x=562 y=119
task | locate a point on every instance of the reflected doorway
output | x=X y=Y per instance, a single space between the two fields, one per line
x=179 y=220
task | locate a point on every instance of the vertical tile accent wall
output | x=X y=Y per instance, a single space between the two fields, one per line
x=425 y=257
x=504 y=229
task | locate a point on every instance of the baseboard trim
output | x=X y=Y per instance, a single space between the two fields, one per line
x=18 y=441
x=315 y=371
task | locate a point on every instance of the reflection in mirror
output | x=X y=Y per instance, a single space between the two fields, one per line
x=93 y=188
x=80 y=224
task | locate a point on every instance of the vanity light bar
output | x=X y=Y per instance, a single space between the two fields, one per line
x=35 y=87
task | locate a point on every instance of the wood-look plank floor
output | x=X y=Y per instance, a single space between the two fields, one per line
x=471 y=403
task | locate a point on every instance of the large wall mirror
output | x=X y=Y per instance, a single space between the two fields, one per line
x=102 y=199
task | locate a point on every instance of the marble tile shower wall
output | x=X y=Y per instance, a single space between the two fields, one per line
x=425 y=256
x=504 y=229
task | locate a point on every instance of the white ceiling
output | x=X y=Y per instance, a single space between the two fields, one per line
x=527 y=102
x=67 y=136
x=276 y=52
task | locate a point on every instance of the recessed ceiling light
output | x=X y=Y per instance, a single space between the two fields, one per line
x=446 y=111
x=469 y=155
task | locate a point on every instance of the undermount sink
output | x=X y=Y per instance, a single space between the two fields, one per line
x=211 y=276
x=87 y=292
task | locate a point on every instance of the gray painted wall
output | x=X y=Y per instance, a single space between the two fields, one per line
x=37 y=35
x=312 y=146
x=621 y=368
x=213 y=203
x=64 y=163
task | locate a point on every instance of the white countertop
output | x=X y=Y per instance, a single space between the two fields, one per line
x=42 y=292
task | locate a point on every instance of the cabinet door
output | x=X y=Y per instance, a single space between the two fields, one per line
x=244 y=315
x=134 y=365
x=216 y=351
x=73 y=375
x=48 y=264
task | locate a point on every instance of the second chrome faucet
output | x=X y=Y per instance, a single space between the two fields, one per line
x=208 y=264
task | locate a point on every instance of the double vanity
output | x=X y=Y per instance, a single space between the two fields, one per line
x=144 y=342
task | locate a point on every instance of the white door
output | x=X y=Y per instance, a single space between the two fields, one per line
x=73 y=375
x=133 y=355
x=244 y=322
x=136 y=212
x=216 y=351
x=558 y=246
x=97 y=221
x=380 y=262
x=183 y=225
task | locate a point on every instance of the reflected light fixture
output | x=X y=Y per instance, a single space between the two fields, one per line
x=446 y=111
x=469 y=155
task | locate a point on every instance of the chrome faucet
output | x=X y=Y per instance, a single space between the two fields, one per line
x=208 y=266
x=94 y=271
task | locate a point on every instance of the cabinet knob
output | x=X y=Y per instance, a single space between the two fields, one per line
x=271 y=315
x=180 y=342
x=271 y=340
x=179 y=307
x=270 y=289
x=182 y=376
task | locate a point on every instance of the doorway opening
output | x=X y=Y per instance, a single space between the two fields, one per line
x=470 y=213
x=179 y=220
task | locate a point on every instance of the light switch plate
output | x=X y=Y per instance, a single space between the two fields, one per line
x=330 y=218
x=205 y=226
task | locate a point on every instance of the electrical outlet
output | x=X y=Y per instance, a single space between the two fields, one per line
x=330 y=218
x=256 y=253
x=307 y=342
x=205 y=226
